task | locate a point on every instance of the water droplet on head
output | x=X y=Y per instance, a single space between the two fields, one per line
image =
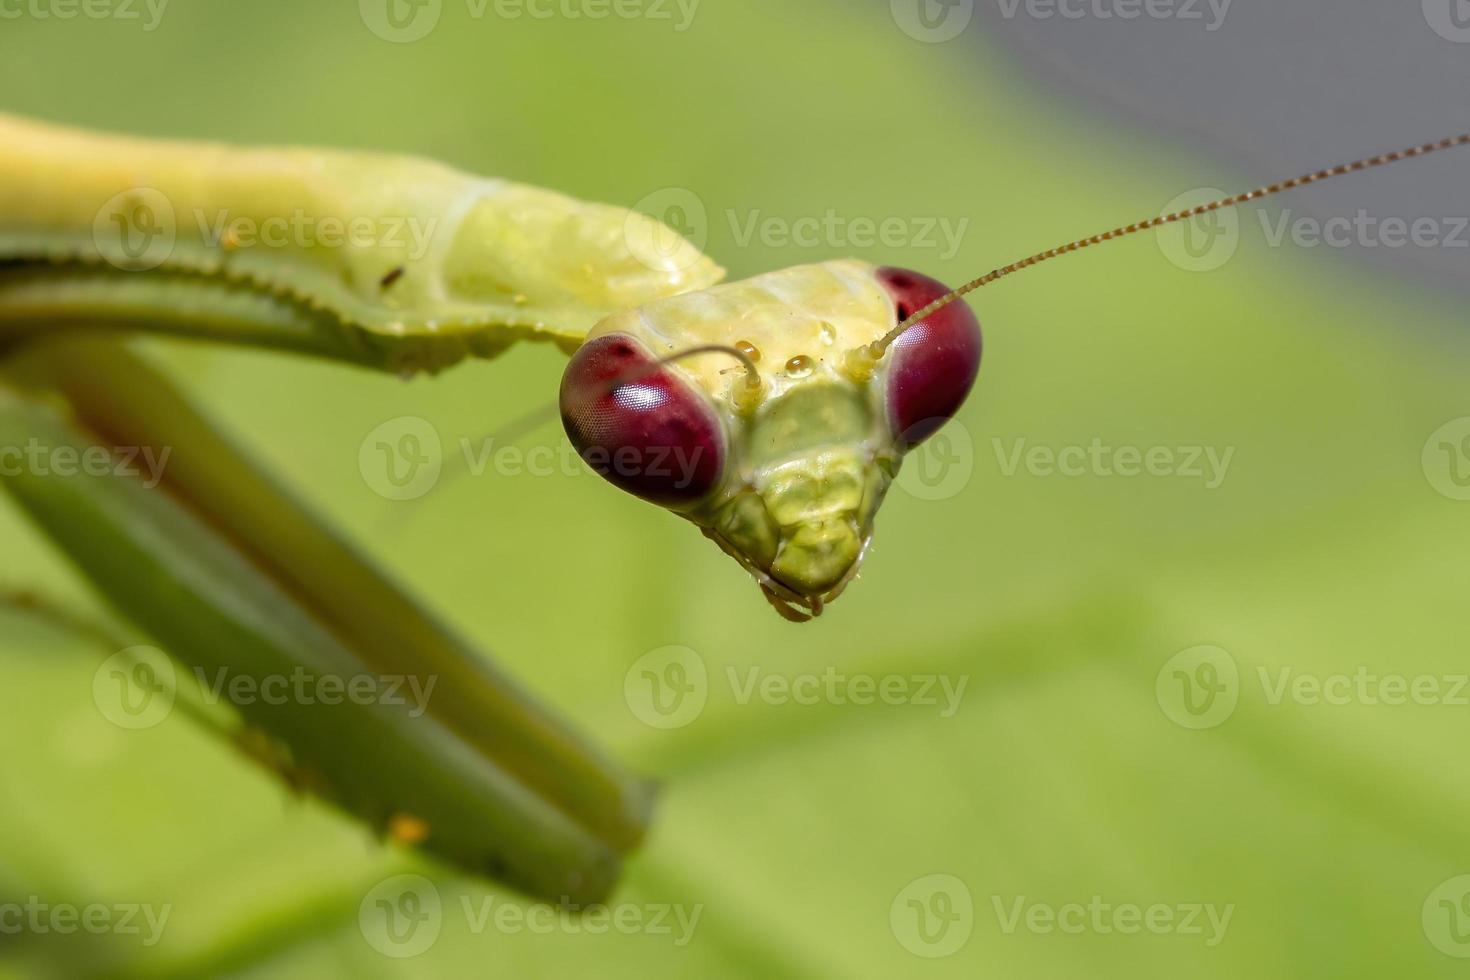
x=748 y=349
x=800 y=366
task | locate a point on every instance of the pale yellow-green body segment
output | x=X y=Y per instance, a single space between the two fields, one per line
x=409 y=257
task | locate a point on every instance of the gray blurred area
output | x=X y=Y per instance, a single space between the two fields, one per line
x=1272 y=88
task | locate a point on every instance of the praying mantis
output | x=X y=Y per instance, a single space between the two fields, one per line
x=773 y=414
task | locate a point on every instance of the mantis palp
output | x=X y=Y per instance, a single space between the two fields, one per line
x=772 y=413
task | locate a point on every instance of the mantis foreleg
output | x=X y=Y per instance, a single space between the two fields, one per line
x=227 y=572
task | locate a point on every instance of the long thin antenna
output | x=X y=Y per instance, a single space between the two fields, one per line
x=882 y=344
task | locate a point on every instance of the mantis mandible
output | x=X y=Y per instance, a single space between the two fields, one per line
x=772 y=413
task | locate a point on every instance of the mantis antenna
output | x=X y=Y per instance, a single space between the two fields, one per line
x=878 y=347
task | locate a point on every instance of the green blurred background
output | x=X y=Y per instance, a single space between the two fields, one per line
x=801 y=832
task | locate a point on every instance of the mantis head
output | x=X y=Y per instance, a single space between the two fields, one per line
x=784 y=457
x=775 y=412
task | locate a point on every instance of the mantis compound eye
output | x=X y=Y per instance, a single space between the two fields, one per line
x=933 y=364
x=637 y=423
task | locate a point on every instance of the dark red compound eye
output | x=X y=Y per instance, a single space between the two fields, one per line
x=636 y=422
x=933 y=364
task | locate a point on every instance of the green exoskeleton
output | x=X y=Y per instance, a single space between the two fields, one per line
x=772 y=413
